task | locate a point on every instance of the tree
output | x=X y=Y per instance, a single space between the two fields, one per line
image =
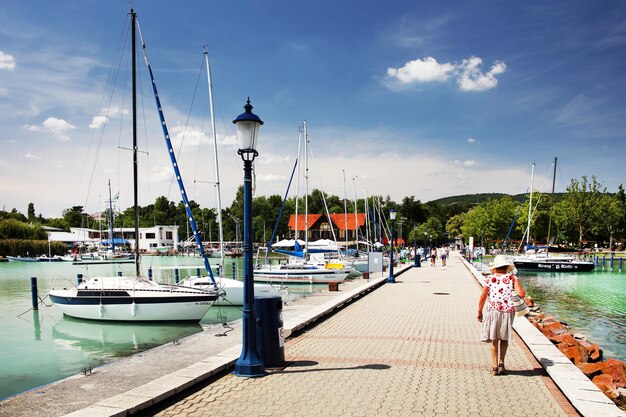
x=31 y=212
x=74 y=217
x=577 y=209
x=609 y=214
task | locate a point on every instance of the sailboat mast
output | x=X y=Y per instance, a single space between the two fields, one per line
x=215 y=160
x=295 y=234
x=133 y=18
x=345 y=207
x=356 y=218
x=111 y=218
x=530 y=206
x=306 y=191
x=551 y=201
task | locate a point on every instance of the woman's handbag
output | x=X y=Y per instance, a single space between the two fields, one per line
x=521 y=309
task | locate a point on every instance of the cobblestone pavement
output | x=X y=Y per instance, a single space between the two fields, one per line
x=406 y=349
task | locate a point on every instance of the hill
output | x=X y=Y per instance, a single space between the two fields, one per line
x=473 y=199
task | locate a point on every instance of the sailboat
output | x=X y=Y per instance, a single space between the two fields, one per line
x=307 y=263
x=230 y=290
x=537 y=258
x=135 y=298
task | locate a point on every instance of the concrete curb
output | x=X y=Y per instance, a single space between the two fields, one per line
x=588 y=399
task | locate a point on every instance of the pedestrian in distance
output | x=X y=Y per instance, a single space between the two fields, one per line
x=433 y=257
x=444 y=256
x=497 y=327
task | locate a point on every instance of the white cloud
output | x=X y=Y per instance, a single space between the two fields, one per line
x=31 y=156
x=271 y=178
x=7 y=61
x=427 y=70
x=472 y=79
x=100 y=120
x=467 y=163
x=420 y=71
x=58 y=128
x=471 y=140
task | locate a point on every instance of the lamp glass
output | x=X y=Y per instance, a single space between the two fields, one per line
x=392 y=214
x=247 y=134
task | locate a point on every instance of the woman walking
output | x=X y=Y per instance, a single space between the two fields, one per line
x=497 y=323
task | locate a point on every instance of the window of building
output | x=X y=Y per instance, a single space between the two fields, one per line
x=169 y=235
x=325 y=231
x=150 y=235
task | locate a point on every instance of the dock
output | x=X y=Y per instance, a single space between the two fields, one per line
x=411 y=348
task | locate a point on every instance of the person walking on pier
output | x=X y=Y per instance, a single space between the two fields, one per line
x=497 y=327
x=433 y=256
x=444 y=256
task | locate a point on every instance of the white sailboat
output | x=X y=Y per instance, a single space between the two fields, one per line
x=306 y=264
x=135 y=298
x=537 y=258
x=230 y=290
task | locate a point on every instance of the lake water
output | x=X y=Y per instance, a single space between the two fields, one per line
x=39 y=347
x=591 y=303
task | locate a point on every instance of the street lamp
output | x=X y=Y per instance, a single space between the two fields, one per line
x=416 y=263
x=249 y=363
x=392 y=216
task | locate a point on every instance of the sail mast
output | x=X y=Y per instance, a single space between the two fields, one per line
x=179 y=179
x=306 y=192
x=530 y=206
x=111 y=218
x=345 y=207
x=133 y=19
x=215 y=160
x=551 y=201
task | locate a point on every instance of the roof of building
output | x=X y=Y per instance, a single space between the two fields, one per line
x=339 y=220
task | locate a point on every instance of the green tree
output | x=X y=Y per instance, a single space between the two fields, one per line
x=31 y=212
x=577 y=209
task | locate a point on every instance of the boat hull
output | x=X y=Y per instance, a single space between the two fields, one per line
x=306 y=276
x=554 y=266
x=119 y=305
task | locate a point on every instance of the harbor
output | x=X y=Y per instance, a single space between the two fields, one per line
x=385 y=345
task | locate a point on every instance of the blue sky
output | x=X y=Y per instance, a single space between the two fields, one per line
x=429 y=99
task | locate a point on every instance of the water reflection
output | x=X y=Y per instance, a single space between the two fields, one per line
x=117 y=339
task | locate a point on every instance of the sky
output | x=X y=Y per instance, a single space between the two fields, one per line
x=401 y=98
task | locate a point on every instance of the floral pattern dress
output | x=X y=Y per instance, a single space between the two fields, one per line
x=498 y=320
x=500 y=289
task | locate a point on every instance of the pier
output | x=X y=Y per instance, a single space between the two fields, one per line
x=370 y=349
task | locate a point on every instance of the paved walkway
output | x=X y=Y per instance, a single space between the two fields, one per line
x=406 y=349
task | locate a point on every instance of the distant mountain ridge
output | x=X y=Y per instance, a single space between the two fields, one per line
x=474 y=199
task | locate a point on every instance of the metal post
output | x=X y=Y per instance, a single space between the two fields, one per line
x=79 y=279
x=234 y=270
x=249 y=363
x=620 y=264
x=391 y=279
x=611 y=261
x=150 y=273
x=34 y=293
x=176 y=276
x=198 y=272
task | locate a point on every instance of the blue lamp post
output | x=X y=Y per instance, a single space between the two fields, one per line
x=249 y=363
x=425 y=234
x=392 y=216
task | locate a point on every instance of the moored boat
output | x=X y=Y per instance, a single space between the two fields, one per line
x=136 y=298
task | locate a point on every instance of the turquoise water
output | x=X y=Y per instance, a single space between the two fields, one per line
x=591 y=303
x=39 y=347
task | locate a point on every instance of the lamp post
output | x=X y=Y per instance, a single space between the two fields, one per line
x=392 y=216
x=416 y=264
x=425 y=234
x=249 y=363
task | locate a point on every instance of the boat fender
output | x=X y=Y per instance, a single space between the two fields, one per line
x=134 y=309
x=101 y=311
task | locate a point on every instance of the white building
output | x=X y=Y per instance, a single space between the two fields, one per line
x=151 y=239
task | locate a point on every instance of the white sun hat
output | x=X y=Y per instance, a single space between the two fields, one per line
x=501 y=261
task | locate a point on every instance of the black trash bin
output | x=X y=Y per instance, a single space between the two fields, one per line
x=418 y=261
x=270 y=343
